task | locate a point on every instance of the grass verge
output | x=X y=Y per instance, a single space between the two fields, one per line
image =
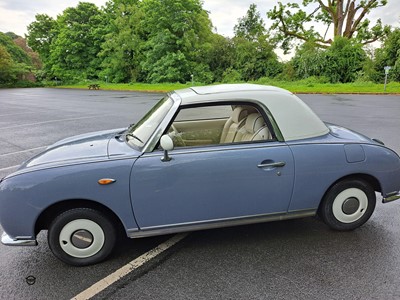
x=140 y=87
x=298 y=87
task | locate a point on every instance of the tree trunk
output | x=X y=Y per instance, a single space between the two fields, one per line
x=339 y=19
x=348 y=32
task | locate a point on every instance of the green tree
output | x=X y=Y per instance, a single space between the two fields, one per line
x=251 y=27
x=41 y=34
x=17 y=53
x=121 y=51
x=221 y=56
x=347 y=18
x=343 y=60
x=388 y=55
x=15 y=62
x=178 y=34
x=254 y=54
x=6 y=66
x=308 y=61
x=34 y=56
x=256 y=59
x=74 y=51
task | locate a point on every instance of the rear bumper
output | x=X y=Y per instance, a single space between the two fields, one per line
x=18 y=241
x=391 y=197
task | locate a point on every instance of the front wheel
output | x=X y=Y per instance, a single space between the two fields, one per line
x=348 y=205
x=81 y=236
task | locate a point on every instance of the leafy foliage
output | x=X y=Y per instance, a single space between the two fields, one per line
x=231 y=75
x=158 y=41
x=17 y=54
x=178 y=35
x=221 y=56
x=41 y=34
x=6 y=65
x=308 y=61
x=121 y=51
x=15 y=63
x=343 y=60
x=389 y=55
x=251 y=27
x=254 y=53
x=73 y=54
x=347 y=17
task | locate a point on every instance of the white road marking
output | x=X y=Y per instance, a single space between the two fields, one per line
x=21 y=113
x=9 y=168
x=53 y=121
x=129 y=267
x=23 y=151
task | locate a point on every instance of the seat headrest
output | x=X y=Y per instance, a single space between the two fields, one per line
x=254 y=122
x=238 y=114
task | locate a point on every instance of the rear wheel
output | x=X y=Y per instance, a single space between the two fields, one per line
x=81 y=236
x=348 y=204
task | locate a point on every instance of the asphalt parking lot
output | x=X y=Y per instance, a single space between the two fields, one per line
x=296 y=259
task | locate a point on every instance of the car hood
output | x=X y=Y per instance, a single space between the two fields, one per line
x=77 y=148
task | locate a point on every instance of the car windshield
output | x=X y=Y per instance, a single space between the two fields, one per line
x=138 y=135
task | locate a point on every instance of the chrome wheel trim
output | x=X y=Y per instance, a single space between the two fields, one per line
x=68 y=231
x=339 y=203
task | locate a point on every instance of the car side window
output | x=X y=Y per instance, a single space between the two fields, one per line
x=218 y=124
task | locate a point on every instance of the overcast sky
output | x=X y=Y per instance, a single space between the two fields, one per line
x=16 y=15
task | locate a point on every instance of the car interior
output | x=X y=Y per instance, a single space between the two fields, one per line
x=222 y=124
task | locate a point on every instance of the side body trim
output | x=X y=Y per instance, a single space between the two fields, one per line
x=219 y=223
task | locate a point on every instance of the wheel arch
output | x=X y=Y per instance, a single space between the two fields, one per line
x=371 y=180
x=46 y=217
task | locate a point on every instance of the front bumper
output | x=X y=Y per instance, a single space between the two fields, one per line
x=391 y=197
x=18 y=241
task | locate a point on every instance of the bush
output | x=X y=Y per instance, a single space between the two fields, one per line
x=22 y=84
x=343 y=60
x=202 y=73
x=288 y=73
x=308 y=61
x=266 y=81
x=388 y=55
x=231 y=75
x=315 y=80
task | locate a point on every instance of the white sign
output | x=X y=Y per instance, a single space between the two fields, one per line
x=387 y=69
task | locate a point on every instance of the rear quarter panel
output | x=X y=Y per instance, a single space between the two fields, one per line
x=319 y=165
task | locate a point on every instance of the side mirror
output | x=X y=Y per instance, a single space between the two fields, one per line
x=167 y=144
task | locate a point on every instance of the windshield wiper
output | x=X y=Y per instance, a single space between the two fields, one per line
x=134 y=136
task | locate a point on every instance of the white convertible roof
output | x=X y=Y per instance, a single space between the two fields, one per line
x=293 y=117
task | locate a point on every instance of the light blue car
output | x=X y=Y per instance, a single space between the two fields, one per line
x=201 y=158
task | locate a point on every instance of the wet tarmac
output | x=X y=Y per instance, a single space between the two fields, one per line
x=297 y=259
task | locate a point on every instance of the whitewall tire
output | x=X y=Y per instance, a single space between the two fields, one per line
x=81 y=236
x=348 y=204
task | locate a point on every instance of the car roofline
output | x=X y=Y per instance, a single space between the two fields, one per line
x=190 y=95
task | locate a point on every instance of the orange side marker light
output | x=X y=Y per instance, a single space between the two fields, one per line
x=105 y=181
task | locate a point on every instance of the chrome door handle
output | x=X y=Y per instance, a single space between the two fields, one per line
x=278 y=164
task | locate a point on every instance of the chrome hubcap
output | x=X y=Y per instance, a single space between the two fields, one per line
x=350 y=205
x=82 y=239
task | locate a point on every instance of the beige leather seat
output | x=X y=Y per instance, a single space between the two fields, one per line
x=233 y=124
x=254 y=129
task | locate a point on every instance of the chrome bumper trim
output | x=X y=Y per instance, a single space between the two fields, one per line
x=391 y=197
x=7 y=240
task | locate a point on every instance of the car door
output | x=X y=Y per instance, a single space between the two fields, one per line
x=211 y=184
